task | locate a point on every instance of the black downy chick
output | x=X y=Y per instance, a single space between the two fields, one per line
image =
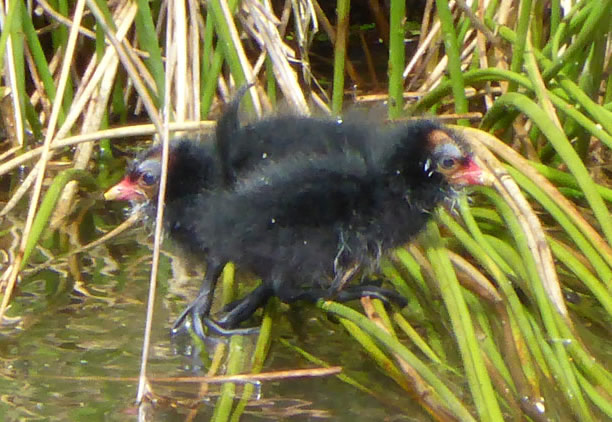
x=201 y=167
x=303 y=223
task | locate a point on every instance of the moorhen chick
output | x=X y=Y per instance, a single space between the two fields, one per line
x=305 y=223
x=197 y=167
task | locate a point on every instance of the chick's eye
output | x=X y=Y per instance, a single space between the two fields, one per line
x=148 y=179
x=448 y=163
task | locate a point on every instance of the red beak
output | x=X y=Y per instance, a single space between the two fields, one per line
x=470 y=174
x=125 y=190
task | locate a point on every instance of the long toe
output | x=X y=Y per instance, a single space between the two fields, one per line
x=385 y=295
x=197 y=309
x=218 y=328
x=198 y=328
x=179 y=323
x=230 y=306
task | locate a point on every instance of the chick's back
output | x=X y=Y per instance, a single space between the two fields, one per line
x=284 y=222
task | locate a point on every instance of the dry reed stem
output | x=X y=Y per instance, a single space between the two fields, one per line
x=119 y=132
x=66 y=65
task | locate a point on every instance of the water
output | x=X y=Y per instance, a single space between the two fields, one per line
x=74 y=350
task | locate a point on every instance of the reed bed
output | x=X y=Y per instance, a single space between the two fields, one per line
x=497 y=327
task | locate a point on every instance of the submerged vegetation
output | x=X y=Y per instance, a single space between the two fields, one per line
x=510 y=294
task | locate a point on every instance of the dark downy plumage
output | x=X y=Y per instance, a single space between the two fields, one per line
x=304 y=224
x=201 y=167
x=324 y=198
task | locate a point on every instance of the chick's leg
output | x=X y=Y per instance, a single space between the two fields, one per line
x=200 y=307
x=240 y=311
